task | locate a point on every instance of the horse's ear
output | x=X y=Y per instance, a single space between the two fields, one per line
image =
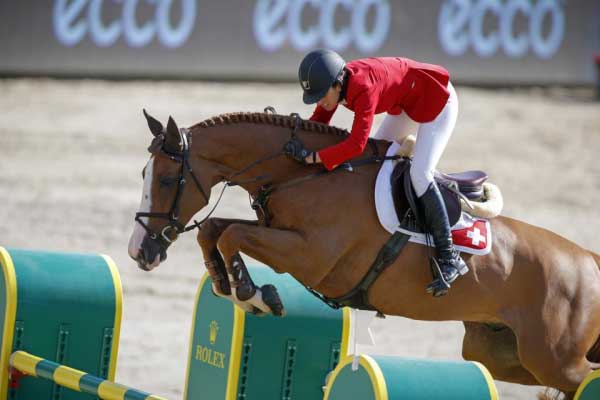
x=155 y=126
x=172 y=128
x=173 y=136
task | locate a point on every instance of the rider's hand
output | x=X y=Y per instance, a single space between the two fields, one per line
x=295 y=150
x=312 y=158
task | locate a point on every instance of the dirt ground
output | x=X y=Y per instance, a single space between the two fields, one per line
x=71 y=154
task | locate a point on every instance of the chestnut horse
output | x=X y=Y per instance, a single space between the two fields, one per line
x=531 y=308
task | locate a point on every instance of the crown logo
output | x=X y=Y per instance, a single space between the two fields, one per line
x=214 y=329
x=305 y=85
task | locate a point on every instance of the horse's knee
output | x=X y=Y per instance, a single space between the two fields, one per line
x=210 y=232
x=229 y=241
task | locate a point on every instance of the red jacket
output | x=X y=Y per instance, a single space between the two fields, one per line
x=388 y=84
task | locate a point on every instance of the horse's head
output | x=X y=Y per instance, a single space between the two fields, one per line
x=173 y=192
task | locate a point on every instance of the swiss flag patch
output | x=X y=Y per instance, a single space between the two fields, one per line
x=472 y=237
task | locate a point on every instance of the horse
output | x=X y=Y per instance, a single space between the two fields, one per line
x=530 y=308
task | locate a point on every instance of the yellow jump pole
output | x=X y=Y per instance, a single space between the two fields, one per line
x=76 y=380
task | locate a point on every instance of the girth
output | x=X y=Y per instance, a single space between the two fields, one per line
x=358 y=297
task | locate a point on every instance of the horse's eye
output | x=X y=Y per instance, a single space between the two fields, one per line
x=144 y=173
x=167 y=181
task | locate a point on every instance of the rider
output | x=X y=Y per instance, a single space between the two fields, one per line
x=418 y=98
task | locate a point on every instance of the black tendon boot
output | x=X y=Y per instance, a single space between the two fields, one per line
x=449 y=261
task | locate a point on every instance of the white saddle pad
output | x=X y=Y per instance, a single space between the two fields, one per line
x=470 y=234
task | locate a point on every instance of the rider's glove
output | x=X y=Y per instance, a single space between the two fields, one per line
x=295 y=150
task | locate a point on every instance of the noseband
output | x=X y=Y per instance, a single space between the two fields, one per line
x=173 y=215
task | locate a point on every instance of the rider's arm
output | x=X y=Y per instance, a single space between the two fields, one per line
x=322 y=115
x=364 y=111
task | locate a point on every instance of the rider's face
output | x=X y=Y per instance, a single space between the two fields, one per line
x=331 y=98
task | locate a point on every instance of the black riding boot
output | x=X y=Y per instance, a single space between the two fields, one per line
x=449 y=261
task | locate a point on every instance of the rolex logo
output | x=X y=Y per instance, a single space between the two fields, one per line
x=305 y=85
x=214 y=329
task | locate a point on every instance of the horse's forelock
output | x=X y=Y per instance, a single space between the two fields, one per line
x=157 y=144
x=160 y=143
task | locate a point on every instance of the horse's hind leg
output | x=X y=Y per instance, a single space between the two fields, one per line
x=560 y=325
x=496 y=348
x=554 y=349
x=553 y=368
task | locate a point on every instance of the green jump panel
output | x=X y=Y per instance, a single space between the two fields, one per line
x=589 y=388
x=238 y=356
x=394 y=378
x=63 y=307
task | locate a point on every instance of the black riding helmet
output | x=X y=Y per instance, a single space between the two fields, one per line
x=318 y=72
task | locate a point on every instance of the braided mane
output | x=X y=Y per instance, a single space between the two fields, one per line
x=270 y=119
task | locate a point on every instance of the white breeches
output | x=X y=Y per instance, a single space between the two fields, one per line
x=432 y=138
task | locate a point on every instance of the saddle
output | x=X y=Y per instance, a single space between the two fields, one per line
x=468 y=184
x=452 y=186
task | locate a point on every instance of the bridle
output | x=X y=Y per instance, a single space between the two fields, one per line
x=172 y=216
x=162 y=238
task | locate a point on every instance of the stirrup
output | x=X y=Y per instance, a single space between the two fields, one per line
x=442 y=280
x=438 y=288
x=457 y=262
x=454 y=259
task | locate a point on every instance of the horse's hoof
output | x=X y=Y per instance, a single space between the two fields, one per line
x=272 y=299
x=258 y=312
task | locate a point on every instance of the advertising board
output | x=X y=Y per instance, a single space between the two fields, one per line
x=479 y=41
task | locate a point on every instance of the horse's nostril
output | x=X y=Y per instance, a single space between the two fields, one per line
x=142 y=256
x=143 y=266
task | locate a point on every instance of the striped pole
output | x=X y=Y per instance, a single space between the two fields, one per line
x=74 y=379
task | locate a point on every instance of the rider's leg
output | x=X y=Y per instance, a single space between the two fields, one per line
x=432 y=138
x=396 y=128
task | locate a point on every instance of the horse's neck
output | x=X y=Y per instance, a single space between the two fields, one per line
x=237 y=146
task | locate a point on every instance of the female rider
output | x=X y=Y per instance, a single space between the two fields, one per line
x=417 y=97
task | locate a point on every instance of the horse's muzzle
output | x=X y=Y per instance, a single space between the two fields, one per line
x=150 y=255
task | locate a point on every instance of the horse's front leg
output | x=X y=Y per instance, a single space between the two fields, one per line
x=207 y=238
x=273 y=247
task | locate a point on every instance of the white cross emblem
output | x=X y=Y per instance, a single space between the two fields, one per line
x=475 y=236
